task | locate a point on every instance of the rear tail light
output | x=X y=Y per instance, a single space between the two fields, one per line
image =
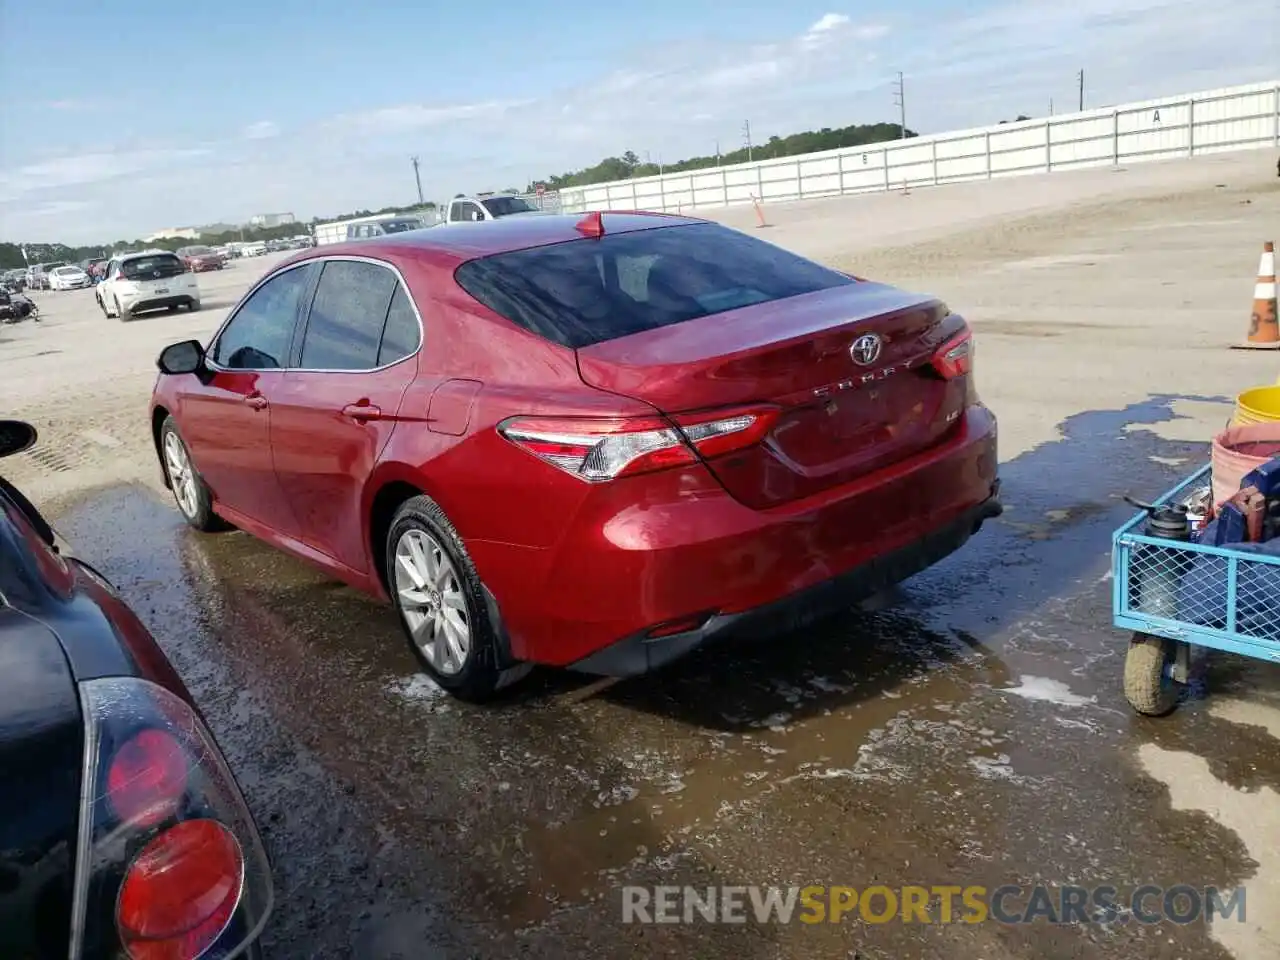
x=604 y=449
x=180 y=891
x=955 y=357
x=170 y=865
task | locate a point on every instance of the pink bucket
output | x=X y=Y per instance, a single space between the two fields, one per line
x=1236 y=451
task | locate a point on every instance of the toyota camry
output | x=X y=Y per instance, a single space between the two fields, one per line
x=594 y=441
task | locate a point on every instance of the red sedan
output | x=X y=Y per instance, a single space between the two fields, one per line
x=200 y=259
x=590 y=442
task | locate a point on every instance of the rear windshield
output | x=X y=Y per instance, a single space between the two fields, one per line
x=400 y=226
x=505 y=206
x=152 y=268
x=591 y=290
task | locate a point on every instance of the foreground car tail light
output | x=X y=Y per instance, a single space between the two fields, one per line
x=604 y=449
x=169 y=865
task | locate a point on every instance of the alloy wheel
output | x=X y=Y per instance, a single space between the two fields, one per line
x=181 y=475
x=430 y=595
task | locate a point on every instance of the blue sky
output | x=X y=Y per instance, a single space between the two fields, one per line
x=137 y=116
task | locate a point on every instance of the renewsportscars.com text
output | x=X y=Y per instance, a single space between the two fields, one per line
x=1009 y=904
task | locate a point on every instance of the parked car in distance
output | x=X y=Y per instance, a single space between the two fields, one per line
x=149 y=280
x=200 y=258
x=255 y=249
x=15 y=280
x=383 y=226
x=93 y=267
x=38 y=274
x=68 y=278
x=478 y=209
x=593 y=442
x=123 y=832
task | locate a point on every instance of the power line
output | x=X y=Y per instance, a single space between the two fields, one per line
x=1082 y=91
x=900 y=100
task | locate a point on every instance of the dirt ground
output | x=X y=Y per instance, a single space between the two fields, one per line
x=973 y=732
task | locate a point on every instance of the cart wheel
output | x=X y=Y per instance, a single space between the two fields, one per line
x=1148 y=675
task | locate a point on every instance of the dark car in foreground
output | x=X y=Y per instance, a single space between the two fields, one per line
x=122 y=832
x=592 y=442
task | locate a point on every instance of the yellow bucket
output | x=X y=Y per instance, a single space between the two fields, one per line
x=1258 y=405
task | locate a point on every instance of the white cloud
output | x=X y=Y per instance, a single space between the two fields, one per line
x=418 y=116
x=262 y=130
x=988 y=62
x=57 y=208
x=829 y=21
x=90 y=168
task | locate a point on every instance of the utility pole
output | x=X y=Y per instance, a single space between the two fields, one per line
x=1051 y=106
x=746 y=138
x=418 y=180
x=717 y=153
x=900 y=99
x=1081 y=91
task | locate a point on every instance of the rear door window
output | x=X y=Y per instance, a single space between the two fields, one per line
x=258 y=336
x=400 y=336
x=587 y=291
x=344 y=328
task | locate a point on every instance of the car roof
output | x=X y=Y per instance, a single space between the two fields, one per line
x=467 y=241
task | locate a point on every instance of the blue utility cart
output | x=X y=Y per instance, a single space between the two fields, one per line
x=1175 y=594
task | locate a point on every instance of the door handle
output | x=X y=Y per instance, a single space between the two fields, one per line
x=256 y=400
x=362 y=411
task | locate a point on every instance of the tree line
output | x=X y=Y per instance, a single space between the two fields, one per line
x=11 y=253
x=629 y=165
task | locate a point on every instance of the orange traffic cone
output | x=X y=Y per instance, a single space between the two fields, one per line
x=1264 y=330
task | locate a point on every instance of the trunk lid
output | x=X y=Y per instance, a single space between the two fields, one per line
x=841 y=417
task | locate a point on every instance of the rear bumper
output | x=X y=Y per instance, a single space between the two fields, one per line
x=639 y=654
x=160 y=303
x=673 y=545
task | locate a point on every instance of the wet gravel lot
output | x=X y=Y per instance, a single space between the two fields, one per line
x=969 y=730
x=972 y=732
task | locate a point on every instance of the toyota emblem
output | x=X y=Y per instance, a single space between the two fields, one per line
x=866 y=349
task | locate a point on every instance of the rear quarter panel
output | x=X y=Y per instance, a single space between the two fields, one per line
x=490 y=489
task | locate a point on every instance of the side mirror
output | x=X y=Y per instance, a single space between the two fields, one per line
x=184 y=357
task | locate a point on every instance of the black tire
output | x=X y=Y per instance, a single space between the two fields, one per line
x=201 y=516
x=123 y=314
x=193 y=306
x=172 y=308
x=1148 y=686
x=483 y=671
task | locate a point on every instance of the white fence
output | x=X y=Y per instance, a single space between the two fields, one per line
x=1214 y=121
